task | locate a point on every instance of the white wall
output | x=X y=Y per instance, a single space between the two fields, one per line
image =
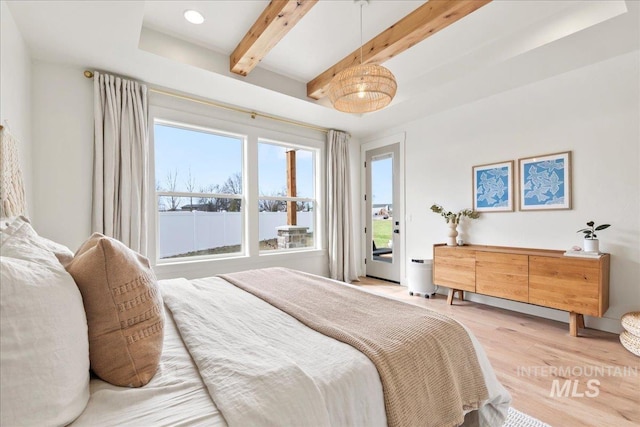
x=62 y=153
x=15 y=93
x=593 y=112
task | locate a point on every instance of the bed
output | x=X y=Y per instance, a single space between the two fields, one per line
x=228 y=358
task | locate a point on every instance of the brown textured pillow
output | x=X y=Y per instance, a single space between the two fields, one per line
x=124 y=311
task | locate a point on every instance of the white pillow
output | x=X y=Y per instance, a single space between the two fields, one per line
x=44 y=363
x=5 y=221
x=21 y=225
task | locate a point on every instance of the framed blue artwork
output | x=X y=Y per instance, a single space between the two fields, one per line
x=545 y=182
x=493 y=187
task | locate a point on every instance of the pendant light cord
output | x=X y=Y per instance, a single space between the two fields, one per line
x=361 y=5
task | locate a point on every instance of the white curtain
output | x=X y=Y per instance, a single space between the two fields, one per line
x=121 y=159
x=342 y=263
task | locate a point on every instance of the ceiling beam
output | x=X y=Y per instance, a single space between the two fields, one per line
x=274 y=23
x=423 y=22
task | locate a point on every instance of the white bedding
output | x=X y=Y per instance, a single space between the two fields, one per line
x=175 y=396
x=264 y=368
x=345 y=380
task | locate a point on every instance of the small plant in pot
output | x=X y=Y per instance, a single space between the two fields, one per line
x=591 y=243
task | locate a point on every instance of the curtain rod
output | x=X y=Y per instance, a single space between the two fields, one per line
x=253 y=114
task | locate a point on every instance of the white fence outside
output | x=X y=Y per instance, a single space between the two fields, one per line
x=181 y=232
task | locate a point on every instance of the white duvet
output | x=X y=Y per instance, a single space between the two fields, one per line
x=264 y=368
x=260 y=366
x=175 y=396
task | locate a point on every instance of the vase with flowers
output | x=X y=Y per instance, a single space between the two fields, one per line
x=453 y=219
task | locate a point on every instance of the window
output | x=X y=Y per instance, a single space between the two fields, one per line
x=199 y=190
x=286 y=203
x=239 y=192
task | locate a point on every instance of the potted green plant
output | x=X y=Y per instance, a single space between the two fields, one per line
x=591 y=243
x=453 y=219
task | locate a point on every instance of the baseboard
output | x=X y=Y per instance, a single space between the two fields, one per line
x=600 y=323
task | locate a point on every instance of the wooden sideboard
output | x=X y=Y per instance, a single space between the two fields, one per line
x=536 y=276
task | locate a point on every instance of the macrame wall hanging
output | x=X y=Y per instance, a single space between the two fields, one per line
x=12 y=197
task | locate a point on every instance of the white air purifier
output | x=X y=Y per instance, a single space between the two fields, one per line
x=420 y=278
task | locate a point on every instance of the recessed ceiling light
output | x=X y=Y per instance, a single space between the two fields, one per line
x=193 y=16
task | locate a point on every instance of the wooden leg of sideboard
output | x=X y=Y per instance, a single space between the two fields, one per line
x=576 y=321
x=452 y=294
x=580 y=321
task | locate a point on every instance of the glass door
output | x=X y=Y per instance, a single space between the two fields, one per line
x=383 y=213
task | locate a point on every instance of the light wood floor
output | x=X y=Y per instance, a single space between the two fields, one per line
x=515 y=342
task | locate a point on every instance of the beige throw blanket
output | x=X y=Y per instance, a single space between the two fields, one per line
x=427 y=364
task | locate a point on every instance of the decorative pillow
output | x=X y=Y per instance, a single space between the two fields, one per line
x=44 y=362
x=21 y=225
x=124 y=311
x=61 y=252
x=6 y=221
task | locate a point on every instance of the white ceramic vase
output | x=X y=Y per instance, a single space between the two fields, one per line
x=591 y=245
x=452 y=234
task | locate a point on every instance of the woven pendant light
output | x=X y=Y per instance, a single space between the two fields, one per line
x=362 y=88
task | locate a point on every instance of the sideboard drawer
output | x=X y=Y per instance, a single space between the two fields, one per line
x=503 y=275
x=455 y=268
x=565 y=284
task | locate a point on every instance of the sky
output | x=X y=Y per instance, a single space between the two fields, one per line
x=382 y=181
x=211 y=159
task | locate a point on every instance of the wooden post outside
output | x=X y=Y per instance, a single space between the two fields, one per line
x=292 y=208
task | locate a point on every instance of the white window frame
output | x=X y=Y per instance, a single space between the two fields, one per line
x=195 y=117
x=241 y=197
x=317 y=188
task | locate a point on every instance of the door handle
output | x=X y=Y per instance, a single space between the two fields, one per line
x=396 y=231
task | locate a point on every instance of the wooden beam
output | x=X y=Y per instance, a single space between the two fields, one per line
x=292 y=207
x=274 y=23
x=423 y=22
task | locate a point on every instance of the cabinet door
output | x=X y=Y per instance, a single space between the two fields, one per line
x=565 y=283
x=455 y=268
x=503 y=275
